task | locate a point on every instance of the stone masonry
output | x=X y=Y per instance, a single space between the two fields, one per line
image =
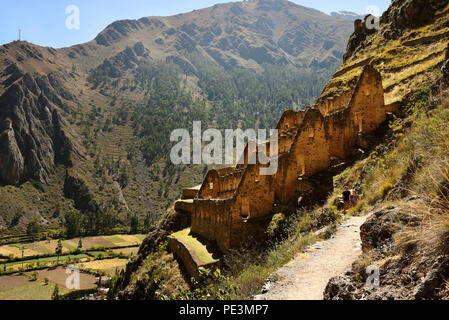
x=230 y=201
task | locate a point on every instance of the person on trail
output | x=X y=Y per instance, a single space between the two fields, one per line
x=346 y=199
x=354 y=198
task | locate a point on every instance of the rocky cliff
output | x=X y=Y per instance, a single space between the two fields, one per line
x=35 y=135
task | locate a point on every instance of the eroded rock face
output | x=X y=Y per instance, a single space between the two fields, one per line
x=11 y=159
x=405 y=273
x=412 y=13
x=33 y=136
x=362 y=28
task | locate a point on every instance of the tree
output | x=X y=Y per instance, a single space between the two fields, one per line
x=58 y=249
x=55 y=295
x=58 y=210
x=147 y=222
x=80 y=244
x=123 y=178
x=72 y=224
x=33 y=228
x=134 y=224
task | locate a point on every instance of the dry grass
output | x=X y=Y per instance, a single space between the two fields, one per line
x=433 y=210
x=402 y=67
x=109 y=265
x=250 y=268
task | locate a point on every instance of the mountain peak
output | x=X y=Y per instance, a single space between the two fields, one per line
x=238 y=34
x=346 y=15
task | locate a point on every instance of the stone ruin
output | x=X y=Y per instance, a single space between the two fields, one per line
x=232 y=203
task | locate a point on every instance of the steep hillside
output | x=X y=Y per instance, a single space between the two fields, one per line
x=407 y=49
x=402 y=179
x=406 y=183
x=85 y=130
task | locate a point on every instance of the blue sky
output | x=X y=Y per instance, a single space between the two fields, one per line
x=44 y=21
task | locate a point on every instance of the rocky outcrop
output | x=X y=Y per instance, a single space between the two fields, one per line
x=405 y=272
x=403 y=14
x=11 y=159
x=184 y=64
x=116 y=31
x=159 y=234
x=127 y=59
x=34 y=136
x=362 y=28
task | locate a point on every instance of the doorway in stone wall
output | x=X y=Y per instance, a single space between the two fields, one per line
x=244 y=210
x=359 y=121
x=302 y=165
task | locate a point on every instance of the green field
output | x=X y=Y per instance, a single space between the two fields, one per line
x=198 y=249
x=108 y=265
x=39 y=258
x=48 y=247
x=34 y=291
x=43 y=261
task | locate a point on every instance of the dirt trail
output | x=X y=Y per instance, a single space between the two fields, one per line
x=306 y=277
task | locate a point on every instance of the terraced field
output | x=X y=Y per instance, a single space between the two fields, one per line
x=404 y=64
x=89 y=243
x=29 y=264
x=22 y=288
x=25 y=261
x=58 y=276
x=109 y=265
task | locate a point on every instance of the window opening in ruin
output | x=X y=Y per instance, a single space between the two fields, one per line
x=211 y=186
x=302 y=165
x=312 y=133
x=245 y=208
x=360 y=120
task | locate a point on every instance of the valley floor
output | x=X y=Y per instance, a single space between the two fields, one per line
x=306 y=277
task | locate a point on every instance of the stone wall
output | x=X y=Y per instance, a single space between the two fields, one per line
x=190 y=193
x=212 y=220
x=191 y=265
x=333 y=104
x=232 y=199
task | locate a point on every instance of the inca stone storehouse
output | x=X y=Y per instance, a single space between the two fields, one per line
x=230 y=202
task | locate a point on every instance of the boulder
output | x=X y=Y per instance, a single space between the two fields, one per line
x=426 y=288
x=339 y=288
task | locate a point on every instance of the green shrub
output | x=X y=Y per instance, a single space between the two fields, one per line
x=383 y=191
x=275 y=225
x=327 y=216
x=357 y=208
